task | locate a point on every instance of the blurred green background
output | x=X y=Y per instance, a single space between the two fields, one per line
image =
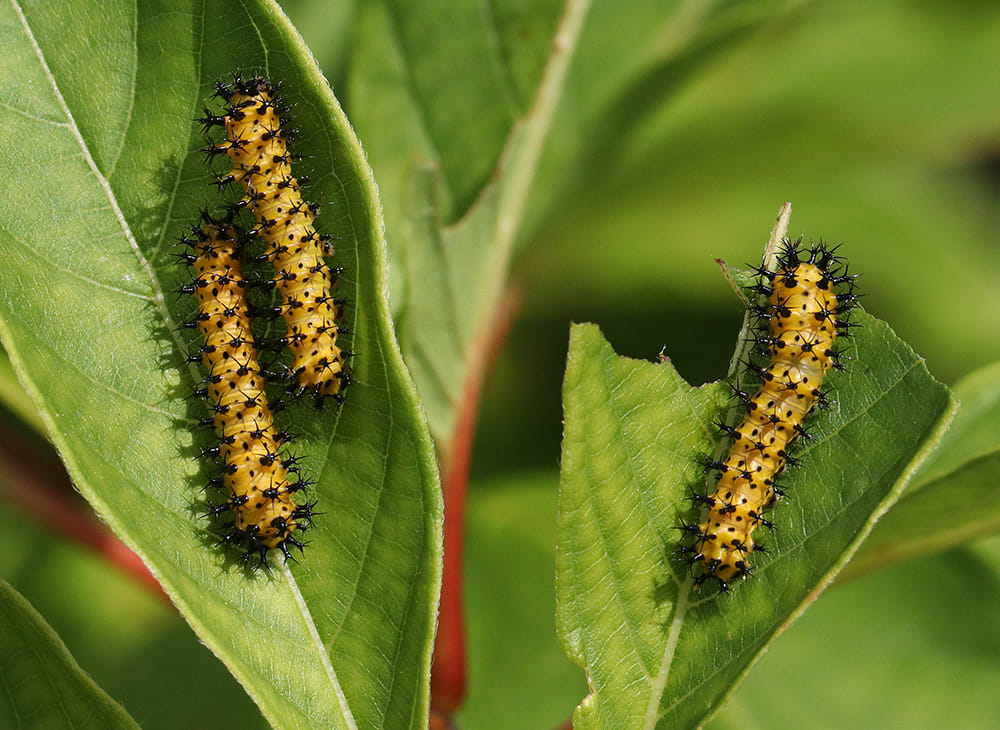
x=881 y=124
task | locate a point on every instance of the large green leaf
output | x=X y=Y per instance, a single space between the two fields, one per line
x=659 y=653
x=102 y=173
x=42 y=686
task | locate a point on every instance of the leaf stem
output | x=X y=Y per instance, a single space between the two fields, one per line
x=448 y=672
x=46 y=493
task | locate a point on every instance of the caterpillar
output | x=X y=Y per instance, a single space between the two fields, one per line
x=257 y=145
x=254 y=473
x=803 y=316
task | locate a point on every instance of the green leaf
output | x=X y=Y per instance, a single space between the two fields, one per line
x=132 y=642
x=438 y=41
x=99 y=126
x=414 y=94
x=656 y=652
x=43 y=687
x=953 y=498
x=435 y=135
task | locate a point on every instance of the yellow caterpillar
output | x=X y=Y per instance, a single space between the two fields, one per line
x=802 y=315
x=254 y=474
x=257 y=145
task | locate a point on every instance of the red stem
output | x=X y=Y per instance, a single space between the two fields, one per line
x=37 y=485
x=448 y=672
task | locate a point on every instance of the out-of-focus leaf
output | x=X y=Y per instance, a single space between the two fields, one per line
x=476 y=117
x=893 y=647
x=98 y=107
x=133 y=644
x=888 y=147
x=954 y=497
x=657 y=653
x=510 y=602
x=326 y=29
x=43 y=687
x=435 y=131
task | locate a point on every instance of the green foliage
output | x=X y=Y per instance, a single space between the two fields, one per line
x=596 y=154
x=892 y=648
x=953 y=498
x=128 y=638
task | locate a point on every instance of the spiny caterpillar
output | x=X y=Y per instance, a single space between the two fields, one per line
x=257 y=145
x=804 y=316
x=254 y=473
